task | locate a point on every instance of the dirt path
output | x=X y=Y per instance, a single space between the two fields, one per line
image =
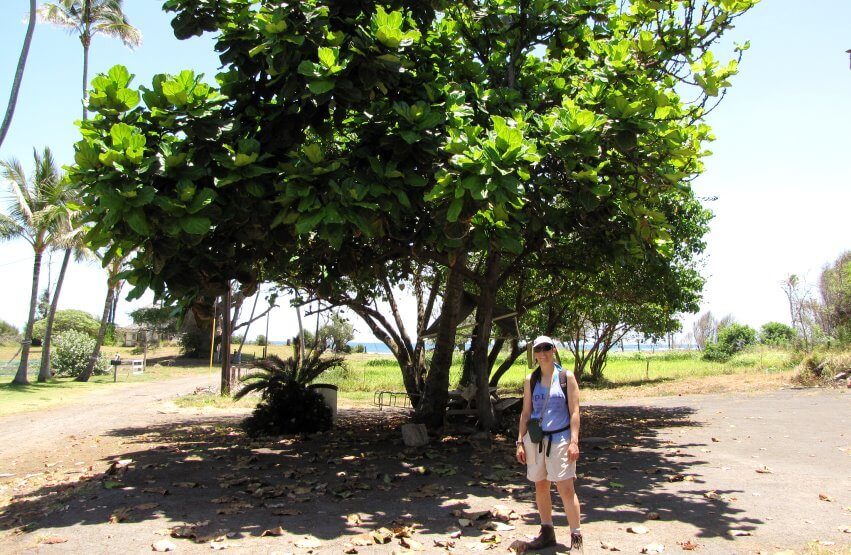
x=194 y=474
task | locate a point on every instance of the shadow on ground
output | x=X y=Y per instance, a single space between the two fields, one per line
x=207 y=476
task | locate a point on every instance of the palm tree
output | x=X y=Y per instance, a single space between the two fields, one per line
x=72 y=242
x=86 y=18
x=19 y=74
x=114 y=268
x=35 y=213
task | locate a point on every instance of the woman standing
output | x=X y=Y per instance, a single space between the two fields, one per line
x=550 y=415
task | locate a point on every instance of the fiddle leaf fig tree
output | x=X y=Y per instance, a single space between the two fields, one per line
x=483 y=137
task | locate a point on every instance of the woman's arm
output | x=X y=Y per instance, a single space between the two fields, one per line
x=525 y=415
x=573 y=405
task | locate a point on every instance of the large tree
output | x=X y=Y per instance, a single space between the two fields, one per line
x=87 y=18
x=488 y=138
x=36 y=213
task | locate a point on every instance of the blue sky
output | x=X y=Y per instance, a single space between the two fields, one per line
x=779 y=169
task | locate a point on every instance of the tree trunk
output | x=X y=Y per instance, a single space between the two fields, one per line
x=481 y=342
x=44 y=372
x=86 y=39
x=90 y=367
x=432 y=407
x=516 y=351
x=21 y=375
x=19 y=75
x=226 y=331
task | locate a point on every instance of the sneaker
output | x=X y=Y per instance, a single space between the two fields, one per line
x=576 y=542
x=546 y=538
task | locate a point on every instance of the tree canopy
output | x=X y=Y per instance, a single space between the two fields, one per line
x=490 y=138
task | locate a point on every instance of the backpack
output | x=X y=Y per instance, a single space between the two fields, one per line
x=562 y=381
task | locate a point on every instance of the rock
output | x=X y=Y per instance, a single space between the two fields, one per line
x=637 y=529
x=653 y=548
x=163 y=545
x=414 y=435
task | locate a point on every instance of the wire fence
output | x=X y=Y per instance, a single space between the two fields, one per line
x=10 y=367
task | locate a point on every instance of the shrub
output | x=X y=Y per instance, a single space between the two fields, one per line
x=9 y=334
x=776 y=333
x=65 y=320
x=732 y=338
x=261 y=340
x=195 y=343
x=71 y=353
x=288 y=408
x=109 y=337
x=359 y=348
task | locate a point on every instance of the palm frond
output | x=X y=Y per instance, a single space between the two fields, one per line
x=64 y=13
x=9 y=228
x=22 y=207
x=115 y=25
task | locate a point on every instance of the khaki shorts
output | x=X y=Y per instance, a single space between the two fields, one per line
x=554 y=468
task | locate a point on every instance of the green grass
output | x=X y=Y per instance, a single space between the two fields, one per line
x=364 y=374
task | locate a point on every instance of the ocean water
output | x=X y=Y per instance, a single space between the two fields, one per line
x=381 y=349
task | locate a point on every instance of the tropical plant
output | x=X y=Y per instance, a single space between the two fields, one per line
x=36 y=213
x=287 y=408
x=483 y=138
x=68 y=319
x=276 y=369
x=87 y=18
x=73 y=349
x=777 y=333
x=287 y=405
x=732 y=338
x=19 y=74
x=835 y=293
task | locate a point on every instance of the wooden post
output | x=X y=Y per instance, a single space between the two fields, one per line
x=226 y=375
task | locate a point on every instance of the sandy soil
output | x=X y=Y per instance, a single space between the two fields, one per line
x=729 y=473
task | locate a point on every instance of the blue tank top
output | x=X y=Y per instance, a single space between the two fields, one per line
x=557 y=415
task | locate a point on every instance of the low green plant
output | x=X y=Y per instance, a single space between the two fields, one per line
x=72 y=350
x=9 y=334
x=777 y=333
x=287 y=405
x=732 y=339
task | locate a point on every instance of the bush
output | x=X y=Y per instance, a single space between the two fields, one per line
x=65 y=320
x=195 y=343
x=731 y=339
x=776 y=333
x=261 y=340
x=359 y=348
x=71 y=352
x=9 y=334
x=288 y=408
x=109 y=337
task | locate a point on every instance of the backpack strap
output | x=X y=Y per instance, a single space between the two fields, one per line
x=534 y=379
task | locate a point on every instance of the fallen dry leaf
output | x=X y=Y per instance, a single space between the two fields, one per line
x=444 y=544
x=712 y=495
x=638 y=529
x=163 y=545
x=764 y=470
x=161 y=491
x=119 y=515
x=382 y=535
x=490 y=538
x=279 y=531
x=353 y=519
x=740 y=533
x=285 y=511
x=689 y=545
x=825 y=497
x=412 y=544
x=145 y=506
x=653 y=548
x=308 y=543
x=52 y=540
x=609 y=546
